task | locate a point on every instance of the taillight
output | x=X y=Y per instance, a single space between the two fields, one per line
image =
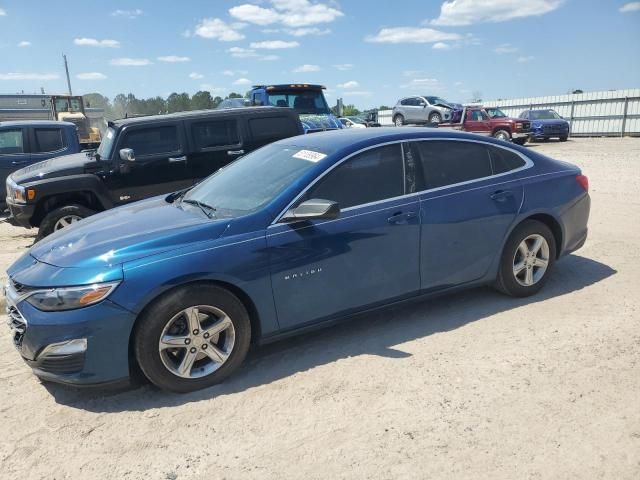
x=583 y=181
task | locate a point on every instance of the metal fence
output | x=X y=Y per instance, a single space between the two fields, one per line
x=610 y=113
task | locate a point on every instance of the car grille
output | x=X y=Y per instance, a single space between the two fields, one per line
x=17 y=324
x=526 y=126
x=554 y=129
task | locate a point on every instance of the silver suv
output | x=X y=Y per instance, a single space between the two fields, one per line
x=420 y=109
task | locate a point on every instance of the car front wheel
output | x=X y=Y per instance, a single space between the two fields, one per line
x=527 y=258
x=435 y=117
x=62 y=217
x=192 y=338
x=502 y=135
x=398 y=120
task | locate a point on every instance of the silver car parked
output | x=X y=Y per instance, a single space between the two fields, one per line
x=421 y=109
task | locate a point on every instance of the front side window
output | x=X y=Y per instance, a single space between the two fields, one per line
x=48 y=140
x=218 y=133
x=106 y=145
x=449 y=162
x=11 y=142
x=270 y=129
x=370 y=176
x=152 y=141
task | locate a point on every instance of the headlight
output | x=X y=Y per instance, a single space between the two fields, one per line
x=69 y=298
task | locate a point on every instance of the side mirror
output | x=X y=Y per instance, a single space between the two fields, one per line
x=314 y=209
x=127 y=155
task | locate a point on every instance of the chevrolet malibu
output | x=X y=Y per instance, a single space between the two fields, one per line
x=295 y=235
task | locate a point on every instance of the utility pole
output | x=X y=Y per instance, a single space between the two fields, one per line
x=66 y=69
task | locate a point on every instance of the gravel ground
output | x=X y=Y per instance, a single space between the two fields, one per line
x=474 y=385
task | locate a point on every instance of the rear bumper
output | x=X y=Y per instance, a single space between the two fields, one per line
x=575 y=220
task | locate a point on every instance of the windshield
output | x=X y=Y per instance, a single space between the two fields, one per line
x=104 y=150
x=543 y=115
x=435 y=100
x=356 y=119
x=302 y=101
x=496 y=113
x=253 y=180
x=70 y=105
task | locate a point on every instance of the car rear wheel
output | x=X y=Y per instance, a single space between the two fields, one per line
x=398 y=120
x=563 y=139
x=192 y=338
x=435 y=117
x=527 y=258
x=502 y=135
x=62 y=217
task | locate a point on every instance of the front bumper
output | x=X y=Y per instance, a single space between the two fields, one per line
x=21 y=213
x=520 y=134
x=106 y=327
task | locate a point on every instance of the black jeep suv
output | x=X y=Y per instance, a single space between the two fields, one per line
x=139 y=158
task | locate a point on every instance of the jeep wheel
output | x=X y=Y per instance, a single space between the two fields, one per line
x=435 y=117
x=398 y=120
x=61 y=218
x=502 y=135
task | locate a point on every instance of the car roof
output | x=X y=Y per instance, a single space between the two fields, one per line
x=352 y=139
x=39 y=123
x=289 y=86
x=202 y=113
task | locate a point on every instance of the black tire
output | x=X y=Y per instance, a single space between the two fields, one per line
x=398 y=120
x=51 y=219
x=507 y=281
x=151 y=324
x=563 y=139
x=520 y=141
x=435 y=117
x=503 y=135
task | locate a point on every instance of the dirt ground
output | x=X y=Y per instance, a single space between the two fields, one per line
x=474 y=385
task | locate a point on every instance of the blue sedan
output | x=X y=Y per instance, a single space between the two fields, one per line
x=295 y=235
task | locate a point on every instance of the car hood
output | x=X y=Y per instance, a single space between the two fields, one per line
x=74 y=164
x=319 y=122
x=550 y=121
x=127 y=233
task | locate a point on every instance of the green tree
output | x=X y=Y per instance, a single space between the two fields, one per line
x=178 y=102
x=234 y=95
x=350 y=110
x=217 y=101
x=202 y=101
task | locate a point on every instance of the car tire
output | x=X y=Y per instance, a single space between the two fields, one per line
x=564 y=139
x=198 y=359
x=62 y=217
x=524 y=270
x=398 y=120
x=520 y=141
x=435 y=117
x=503 y=135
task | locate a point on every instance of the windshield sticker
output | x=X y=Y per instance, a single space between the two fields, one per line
x=309 y=155
x=110 y=134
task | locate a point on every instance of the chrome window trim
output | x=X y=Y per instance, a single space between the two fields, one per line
x=528 y=164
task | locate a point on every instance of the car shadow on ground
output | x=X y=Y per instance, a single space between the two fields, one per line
x=372 y=334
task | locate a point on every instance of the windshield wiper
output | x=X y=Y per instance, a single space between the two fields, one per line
x=208 y=210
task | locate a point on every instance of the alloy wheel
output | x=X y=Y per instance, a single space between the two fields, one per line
x=531 y=260
x=197 y=341
x=66 y=221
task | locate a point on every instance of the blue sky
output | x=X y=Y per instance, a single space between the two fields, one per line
x=367 y=52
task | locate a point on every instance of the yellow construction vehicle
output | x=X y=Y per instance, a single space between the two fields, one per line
x=67 y=108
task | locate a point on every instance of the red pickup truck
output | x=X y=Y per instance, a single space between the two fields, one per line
x=476 y=120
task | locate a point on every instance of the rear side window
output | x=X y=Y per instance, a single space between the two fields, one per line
x=450 y=162
x=504 y=161
x=215 y=133
x=406 y=101
x=153 y=141
x=270 y=129
x=48 y=140
x=11 y=142
x=367 y=177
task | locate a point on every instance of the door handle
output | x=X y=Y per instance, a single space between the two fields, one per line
x=501 y=195
x=400 y=217
x=178 y=159
x=235 y=152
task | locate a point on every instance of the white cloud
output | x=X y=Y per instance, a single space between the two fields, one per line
x=441 y=46
x=630 y=7
x=242 y=81
x=24 y=43
x=505 y=48
x=411 y=35
x=290 y=13
x=457 y=84
x=240 y=52
x=92 y=42
x=131 y=14
x=3 y=12
x=269 y=58
x=211 y=88
x=28 y=76
x=91 y=76
x=468 y=12
x=219 y=30
x=130 y=62
x=274 y=44
x=301 y=32
x=349 y=84
x=173 y=59
x=424 y=85
x=196 y=76
x=306 y=68
x=343 y=67
x=526 y=59
x=357 y=93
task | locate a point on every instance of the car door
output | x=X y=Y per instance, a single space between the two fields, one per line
x=368 y=255
x=415 y=110
x=215 y=142
x=468 y=204
x=160 y=165
x=476 y=121
x=47 y=142
x=14 y=152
